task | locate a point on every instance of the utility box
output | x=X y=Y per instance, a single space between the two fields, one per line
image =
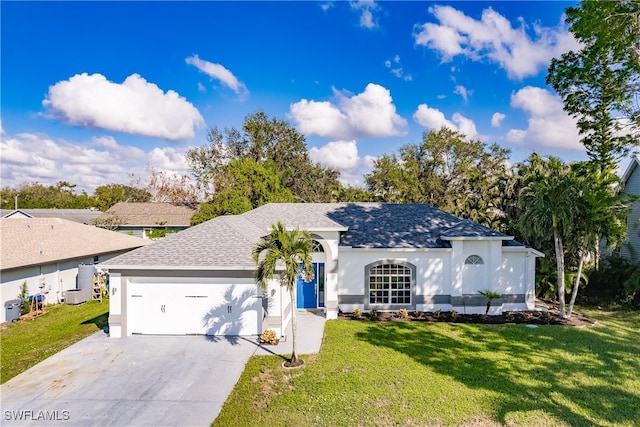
x=75 y=296
x=13 y=310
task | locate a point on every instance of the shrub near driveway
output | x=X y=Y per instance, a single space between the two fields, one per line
x=27 y=342
x=411 y=373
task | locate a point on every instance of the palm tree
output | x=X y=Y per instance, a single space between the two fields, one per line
x=286 y=253
x=552 y=202
x=602 y=217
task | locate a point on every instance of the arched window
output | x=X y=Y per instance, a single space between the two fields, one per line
x=390 y=283
x=474 y=260
x=317 y=246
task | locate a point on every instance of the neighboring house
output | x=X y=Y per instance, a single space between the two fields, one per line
x=46 y=252
x=140 y=219
x=366 y=255
x=83 y=216
x=631 y=185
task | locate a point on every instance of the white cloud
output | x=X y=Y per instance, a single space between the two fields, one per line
x=326 y=6
x=370 y=113
x=463 y=92
x=218 y=72
x=135 y=106
x=434 y=119
x=31 y=157
x=493 y=38
x=366 y=9
x=397 y=71
x=343 y=155
x=337 y=154
x=548 y=124
x=496 y=119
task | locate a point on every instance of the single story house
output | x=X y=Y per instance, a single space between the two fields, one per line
x=46 y=252
x=366 y=255
x=141 y=218
x=83 y=216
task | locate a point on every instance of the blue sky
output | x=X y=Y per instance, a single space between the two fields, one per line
x=95 y=91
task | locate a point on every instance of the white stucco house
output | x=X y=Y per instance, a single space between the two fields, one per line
x=366 y=255
x=45 y=254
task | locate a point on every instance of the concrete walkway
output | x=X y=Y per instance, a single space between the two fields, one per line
x=309 y=337
x=140 y=380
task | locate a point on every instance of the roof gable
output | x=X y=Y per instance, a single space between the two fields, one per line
x=149 y=214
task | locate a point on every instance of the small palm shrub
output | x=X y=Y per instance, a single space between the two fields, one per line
x=490 y=296
x=357 y=313
x=402 y=313
x=373 y=313
x=268 y=336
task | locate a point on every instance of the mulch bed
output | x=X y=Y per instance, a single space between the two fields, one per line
x=550 y=316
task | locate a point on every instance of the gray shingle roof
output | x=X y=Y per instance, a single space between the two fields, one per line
x=223 y=242
x=34 y=241
x=83 y=216
x=226 y=242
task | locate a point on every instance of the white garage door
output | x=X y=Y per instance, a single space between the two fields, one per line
x=187 y=308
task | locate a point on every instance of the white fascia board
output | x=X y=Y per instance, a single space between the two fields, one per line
x=484 y=238
x=522 y=249
x=351 y=248
x=175 y=267
x=317 y=229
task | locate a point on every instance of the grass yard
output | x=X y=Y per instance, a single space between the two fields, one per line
x=433 y=374
x=27 y=342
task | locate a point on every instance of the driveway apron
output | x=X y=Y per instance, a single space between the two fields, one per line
x=134 y=381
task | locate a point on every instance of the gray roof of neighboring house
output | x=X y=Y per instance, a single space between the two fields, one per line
x=227 y=241
x=35 y=241
x=149 y=214
x=83 y=216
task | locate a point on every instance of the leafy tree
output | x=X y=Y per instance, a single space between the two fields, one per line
x=108 y=195
x=551 y=205
x=291 y=249
x=463 y=177
x=38 y=196
x=272 y=143
x=244 y=184
x=600 y=83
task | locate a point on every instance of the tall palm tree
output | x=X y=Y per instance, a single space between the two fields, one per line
x=286 y=253
x=551 y=203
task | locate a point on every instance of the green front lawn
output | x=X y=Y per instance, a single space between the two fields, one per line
x=27 y=342
x=417 y=374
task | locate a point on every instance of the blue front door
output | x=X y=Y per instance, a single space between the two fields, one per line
x=307 y=296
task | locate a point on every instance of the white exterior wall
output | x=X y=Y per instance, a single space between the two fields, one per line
x=329 y=241
x=443 y=281
x=57 y=277
x=432 y=269
x=115 y=303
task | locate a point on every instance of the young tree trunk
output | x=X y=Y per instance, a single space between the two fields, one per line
x=488 y=307
x=574 y=292
x=294 y=326
x=557 y=239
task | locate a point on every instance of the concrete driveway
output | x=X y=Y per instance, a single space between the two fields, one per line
x=135 y=381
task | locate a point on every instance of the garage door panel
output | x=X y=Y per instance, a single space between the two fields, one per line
x=179 y=309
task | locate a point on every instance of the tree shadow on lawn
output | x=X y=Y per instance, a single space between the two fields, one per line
x=101 y=321
x=574 y=375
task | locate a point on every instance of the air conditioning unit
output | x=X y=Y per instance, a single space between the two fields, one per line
x=75 y=296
